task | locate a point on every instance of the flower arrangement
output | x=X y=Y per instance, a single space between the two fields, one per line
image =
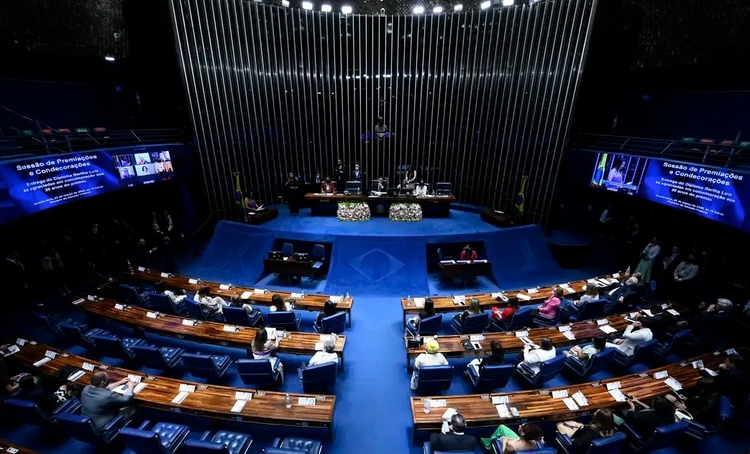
x=353 y=211
x=405 y=212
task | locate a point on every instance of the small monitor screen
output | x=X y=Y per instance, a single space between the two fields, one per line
x=618 y=173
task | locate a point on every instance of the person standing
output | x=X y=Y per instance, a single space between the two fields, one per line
x=292 y=195
x=646 y=265
x=341 y=173
x=357 y=173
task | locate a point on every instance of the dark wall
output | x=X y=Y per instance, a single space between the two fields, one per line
x=476 y=98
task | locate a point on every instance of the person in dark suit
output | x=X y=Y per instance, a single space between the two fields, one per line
x=15 y=276
x=101 y=404
x=732 y=379
x=644 y=419
x=291 y=192
x=357 y=174
x=665 y=272
x=661 y=323
x=454 y=439
x=341 y=173
x=31 y=392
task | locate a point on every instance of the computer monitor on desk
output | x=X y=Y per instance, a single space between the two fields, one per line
x=354 y=187
x=443 y=188
x=301 y=256
x=275 y=255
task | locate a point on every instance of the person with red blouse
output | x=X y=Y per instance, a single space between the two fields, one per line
x=468 y=253
x=506 y=314
x=550 y=307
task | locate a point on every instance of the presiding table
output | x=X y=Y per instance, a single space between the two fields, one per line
x=327 y=204
x=209 y=401
x=256 y=295
x=584 y=331
x=465 y=268
x=526 y=297
x=540 y=405
x=10 y=448
x=289 y=267
x=216 y=333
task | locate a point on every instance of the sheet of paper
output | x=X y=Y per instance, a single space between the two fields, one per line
x=503 y=411
x=612 y=281
x=563 y=328
x=476 y=337
x=618 y=395
x=661 y=374
x=245 y=295
x=231 y=328
x=559 y=393
x=78 y=301
x=665 y=306
x=569 y=290
x=135 y=378
x=164 y=274
x=565 y=285
x=88 y=366
x=674 y=384
x=42 y=361
x=607 y=329
x=569 y=335
x=480 y=261
x=523 y=297
x=76 y=376
x=180 y=397
x=141 y=269
x=224 y=286
x=580 y=399
x=497 y=400
x=271 y=332
x=188 y=322
x=602 y=321
x=239 y=395
x=238 y=406
x=697 y=364
x=91 y=298
x=647 y=312
x=119 y=307
x=151 y=315
x=710 y=372
x=192 y=281
x=50 y=354
x=259 y=291
x=296 y=296
x=449 y=414
x=522 y=333
x=336 y=299
x=306 y=401
x=438 y=403
x=616 y=275
x=613 y=385
x=318 y=346
x=496 y=295
x=673 y=312
x=531 y=291
x=419 y=302
x=463 y=261
x=187 y=388
x=571 y=404
x=139 y=387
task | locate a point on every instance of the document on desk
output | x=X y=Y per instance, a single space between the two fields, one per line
x=419 y=302
x=569 y=335
x=123 y=388
x=531 y=291
x=673 y=312
x=306 y=401
x=613 y=385
x=497 y=400
x=438 y=403
x=503 y=411
x=180 y=397
x=78 y=301
x=616 y=275
x=192 y=281
x=459 y=299
x=608 y=329
x=569 y=290
x=710 y=372
x=523 y=297
x=522 y=334
x=297 y=296
x=476 y=337
x=318 y=346
x=75 y=376
x=580 y=399
x=559 y=393
x=271 y=332
x=336 y=299
x=673 y=383
x=618 y=395
x=571 y=404
x=246 y=295
x=225 y=286
x=239 y=395
x=238 y=406
x=42 y=361
x=259 y=291
x=480 y=261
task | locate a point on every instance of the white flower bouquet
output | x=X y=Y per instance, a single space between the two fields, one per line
x=405 y=212
x=353 y=211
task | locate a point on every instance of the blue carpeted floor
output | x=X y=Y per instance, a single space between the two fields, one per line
x=372 y=411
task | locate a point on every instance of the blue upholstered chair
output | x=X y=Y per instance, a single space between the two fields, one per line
x=642 y=351
x=521 y=318
x=162 y=303
x=318 y=378
x=30 y=413
x=163 y=438
x=491 y=376
x=588 y=310
x=662 y=437
x=426 y=327
x=541 y=320
x=286 y=320
x=239 y=316
x=76 y=332
x=427 y=449
x=705 y=431
x=475 y=323
x=131 y=296
x=335 y=323
x=293 y=445
x=163 y=358
x=497 y=448
x=596 y=363
x=51 y=322
x=206 y=366
x=223 y=442
x=609 y=445
x=287 y=250
x=82 y=429
x=547 y=371
x=434 y=378
x=318 y=257
x=115 y=346
x=675 y=343
x=193 y=309
x=258 y=371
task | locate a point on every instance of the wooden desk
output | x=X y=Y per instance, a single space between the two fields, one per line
x=288 y=267
x=463 y=268
x=445 y=304
x=538 y=405
x=208 y=401
x=432 y=206
x=585 y=330
x=297 y=343
x=309 y=302
x=498 y=219
x=10 y=448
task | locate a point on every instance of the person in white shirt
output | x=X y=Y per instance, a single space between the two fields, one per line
x=646 y=265
x=326 y=356
x=432 y=357
x=534 y=356
x=280 y=304
x=420 y=189
x=161 y=287
x=210 y=306
x=632 y=336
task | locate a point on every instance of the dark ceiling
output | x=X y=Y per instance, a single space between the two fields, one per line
x=675 y=33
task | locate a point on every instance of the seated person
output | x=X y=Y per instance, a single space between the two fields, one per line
x=528 y=438
x=636 y=333
x=599 y=343
x=279 y=304
x=251 y=206
x=732 y=379
x=329 y=308
x=327 y=187
x=708 y=326
x=427 y=311
x=8 y=384
x=161 y=288
x=660 y=322
x=31 y=392
x=454 y=439
x=236 y=301
x=265 y=348
x=382 y=185
x=472 y=310
x=100 y=403
x=431 y=357
x=496 y=356
x=644 y=419
x=328 y=355
x=592 y=293
x=549 y=308
x=210 y=306
x=624 y=296
x=534 y=355
x=468 y=253
x=701 y=401
x=420 y=189
x=506 y=314
x=581 y=435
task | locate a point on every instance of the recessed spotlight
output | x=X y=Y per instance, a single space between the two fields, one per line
x=418 y=10
x=307 y=5
x=285 y=3
x=458 y=7
x=346 y=9
x=326 y=8
x=485 y=5
x=437 y=10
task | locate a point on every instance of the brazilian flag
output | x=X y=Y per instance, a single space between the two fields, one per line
x=520 y=198
x=238 y=198
x=599 y=174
